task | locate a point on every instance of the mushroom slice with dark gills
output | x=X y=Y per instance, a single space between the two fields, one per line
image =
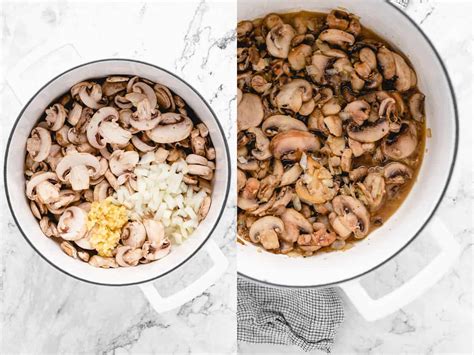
x=39 y=144
x=294 y=94
x=349 y=217
x=397 y=173
x=291 y=144
x=368 y=132
x=316 y=184
x=401 y=144
x=279 y=40
x=416 y=106
x=266 y=231
x=281 y=123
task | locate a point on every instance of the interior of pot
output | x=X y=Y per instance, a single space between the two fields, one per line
x=409 y=219
x=15 y=181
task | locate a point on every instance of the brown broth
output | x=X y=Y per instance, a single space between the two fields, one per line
x=389 y=206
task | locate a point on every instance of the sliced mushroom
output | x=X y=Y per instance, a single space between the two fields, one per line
x=102 y=262
x=368 y=132
x=72 y=224
x=172 y=128
x=294 y=224
x=249 y=112
x=266 y=231
x=349 y=216
x=416 y=106
x=337 y=37
x=357 y=110
x=294 y=94
x=127 y=256
x=261 y=150
x=55 y=117
x=397 y=173
x=121 y=162
x=93 y=136
x=401 y=144
x=316 y=185
x=387 y=61
x=403 y=73
x=157 y=245
x=39 y=144
x=278 y=40
x=297 y=56
x=280 y=123
x=373 y=190
x=77 y=168
x=133 y=234
x=291 y=144
x=42 y=189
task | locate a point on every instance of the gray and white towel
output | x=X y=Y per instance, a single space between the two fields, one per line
x=307 y=318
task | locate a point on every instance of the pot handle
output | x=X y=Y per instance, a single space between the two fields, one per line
x=373 y=309
x=196 y=288
x=39 y=66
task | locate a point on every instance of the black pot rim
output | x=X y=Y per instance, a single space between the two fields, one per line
x=451 y=169
x=226 y=193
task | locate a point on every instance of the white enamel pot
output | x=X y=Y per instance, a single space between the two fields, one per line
x=345 y=269
x=142 y=274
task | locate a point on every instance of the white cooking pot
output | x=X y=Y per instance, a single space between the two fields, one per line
x=47 y=248
x=344 y=269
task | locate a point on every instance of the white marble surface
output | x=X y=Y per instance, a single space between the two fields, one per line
x=44 y=311
x=441 y=321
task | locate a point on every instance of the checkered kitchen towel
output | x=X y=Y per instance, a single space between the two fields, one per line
x=308 y=318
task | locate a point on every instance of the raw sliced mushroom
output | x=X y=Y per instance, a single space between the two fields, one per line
x=72 y=224
x=39 y=144
x=172 y=128
x=77 y=168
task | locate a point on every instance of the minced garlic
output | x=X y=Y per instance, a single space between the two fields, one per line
x=105 y=220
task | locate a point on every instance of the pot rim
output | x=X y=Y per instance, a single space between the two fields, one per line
x=214 y=116
x=433 y=211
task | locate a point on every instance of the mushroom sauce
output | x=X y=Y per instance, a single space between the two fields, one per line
x=331 y=131
x=117 y=169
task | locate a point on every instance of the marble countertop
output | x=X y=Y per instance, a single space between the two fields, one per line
x=44 y=311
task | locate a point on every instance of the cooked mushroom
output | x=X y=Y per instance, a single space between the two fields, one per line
x=249 y=112
x=401 y=144
x=416 y=106
x=397 y=173
x=280 y=123
x=279 y=40
x=291 y=144
x=294 y=224
x=349 y=216
x=266 y=231
x=344 y=119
